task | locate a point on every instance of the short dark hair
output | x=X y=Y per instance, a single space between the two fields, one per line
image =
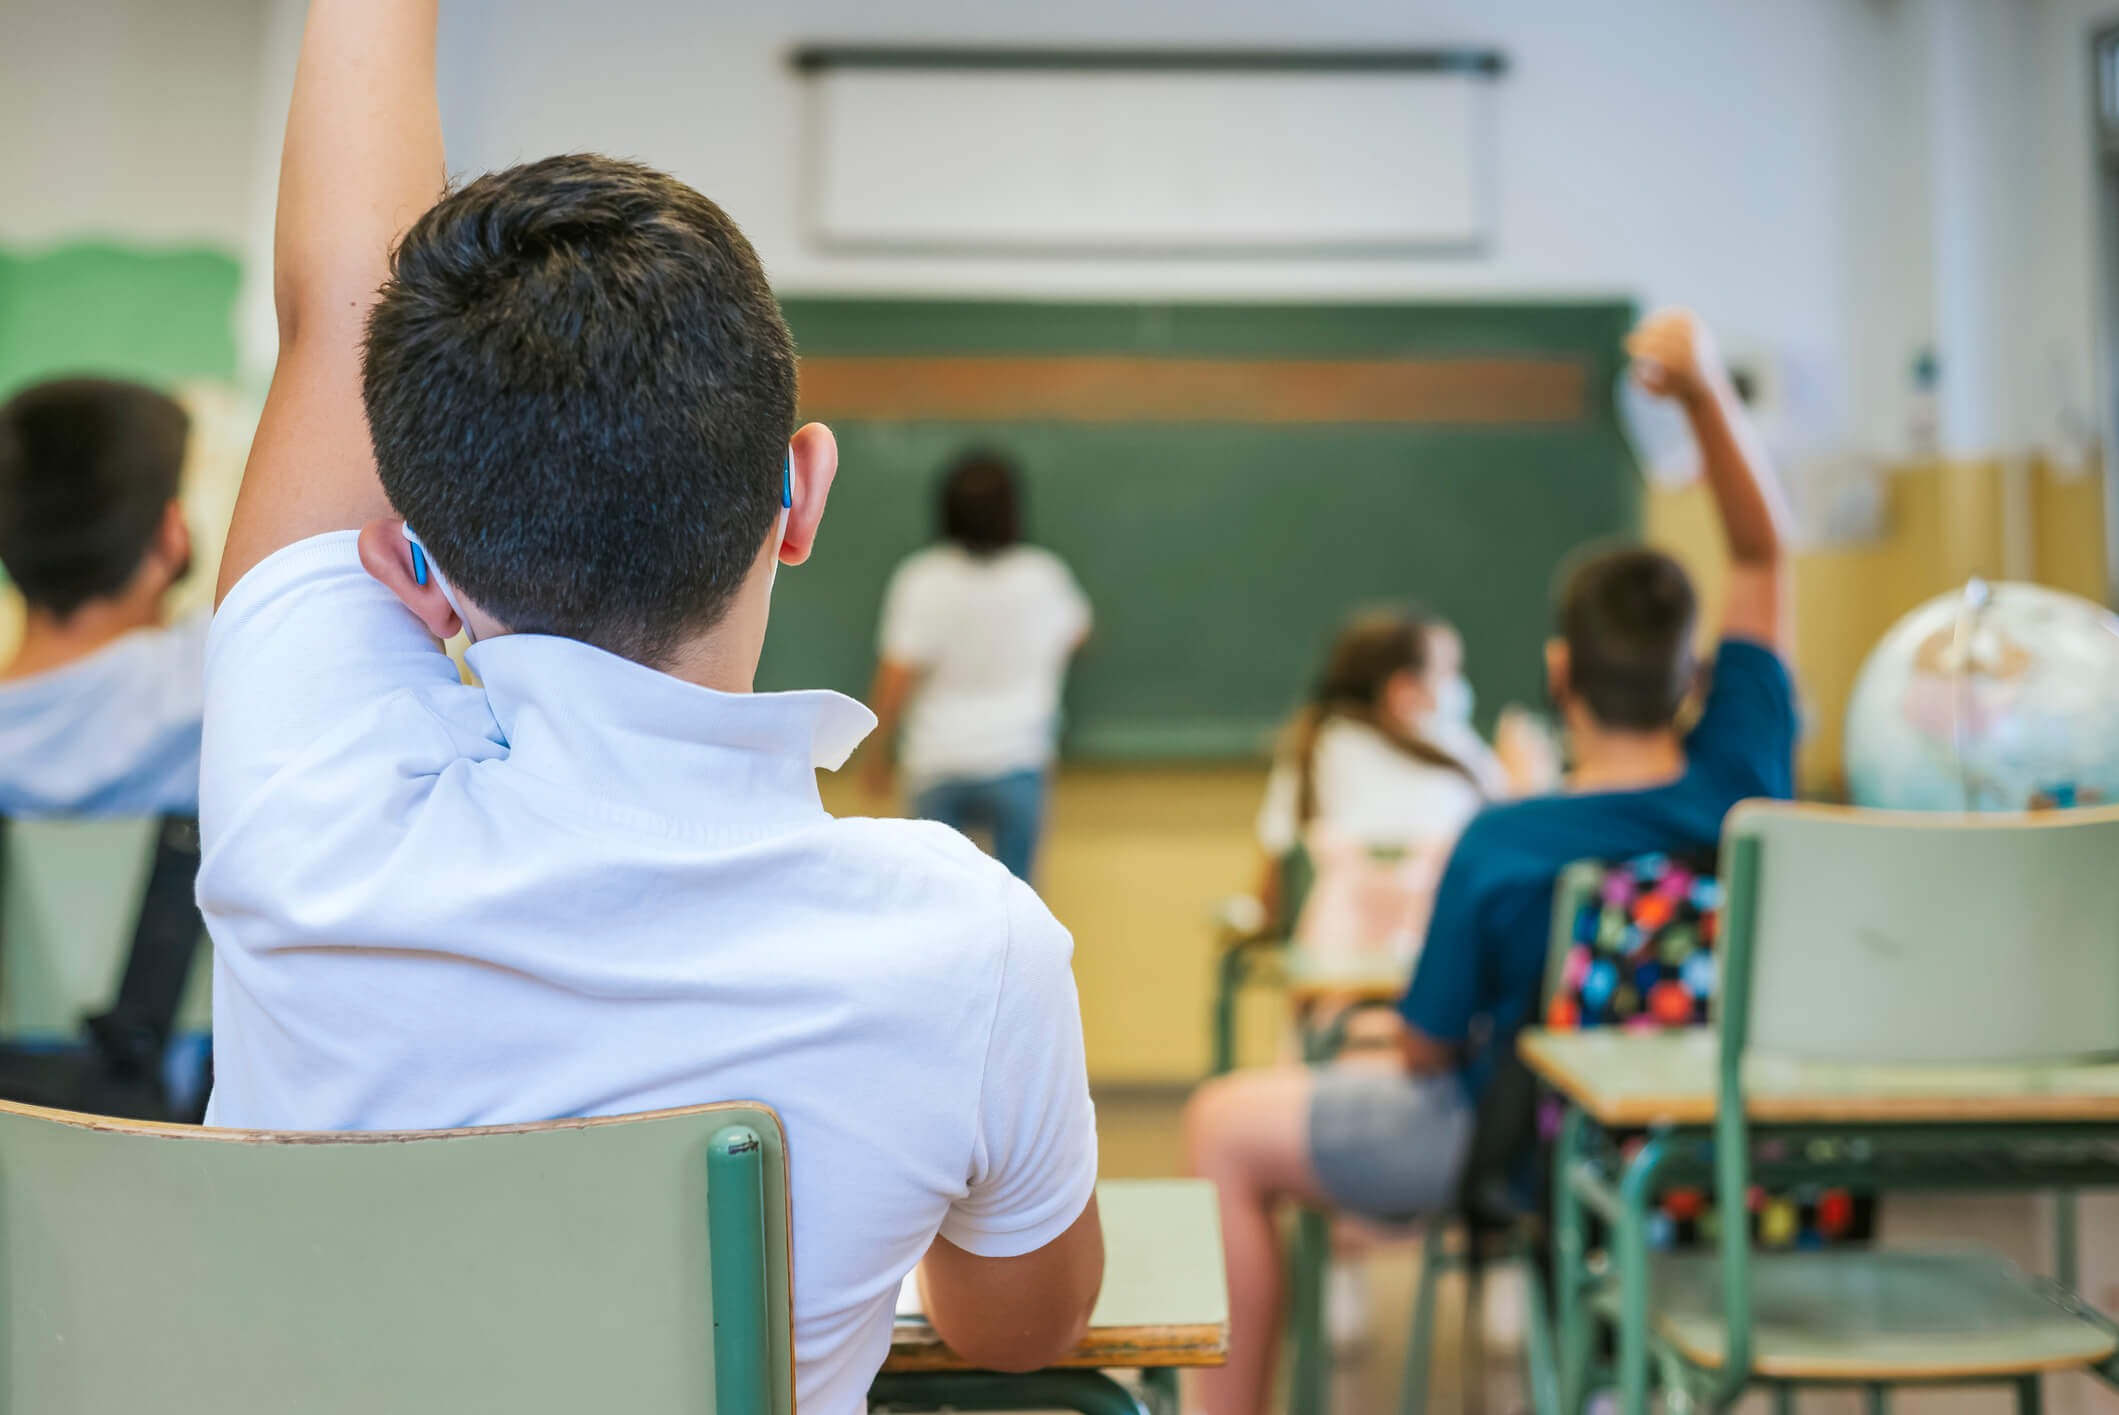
x=1627 y=616
x=982 y=503
x=580 y=390
x=88 y=467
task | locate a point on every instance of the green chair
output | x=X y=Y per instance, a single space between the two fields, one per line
x=638 y=1263
x=1946 y=941
x=1249 y=954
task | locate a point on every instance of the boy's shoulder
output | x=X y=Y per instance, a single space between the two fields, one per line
x=1533 y=839
x=930 y=861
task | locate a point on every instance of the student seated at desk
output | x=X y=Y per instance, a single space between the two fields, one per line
x=560 y=416
x=100 y=705
x=1358 y=773
x=1387 y=1140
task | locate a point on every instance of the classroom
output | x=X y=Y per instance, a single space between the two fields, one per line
x=1154 y=707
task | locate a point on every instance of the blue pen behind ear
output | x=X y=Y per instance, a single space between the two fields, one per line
x=787 y=483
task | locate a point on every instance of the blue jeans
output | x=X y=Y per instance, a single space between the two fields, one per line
x=1011 y=808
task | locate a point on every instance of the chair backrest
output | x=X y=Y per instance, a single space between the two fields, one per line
x=1879 y=937
x=638 y=1263
x=74 y=894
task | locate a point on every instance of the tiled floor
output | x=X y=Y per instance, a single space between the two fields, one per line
x=1140 y=1137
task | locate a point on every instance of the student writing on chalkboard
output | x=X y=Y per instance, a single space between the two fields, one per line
x=973 y=649
x=101 y=704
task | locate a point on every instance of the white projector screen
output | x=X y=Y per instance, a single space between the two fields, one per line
x=1026 y=158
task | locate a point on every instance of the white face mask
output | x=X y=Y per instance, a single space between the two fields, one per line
x=441 y=582
x=1453 y=702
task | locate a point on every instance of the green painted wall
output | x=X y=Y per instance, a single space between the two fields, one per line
x=158 y=316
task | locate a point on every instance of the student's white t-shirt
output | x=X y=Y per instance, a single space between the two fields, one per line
x=588 y=888
x=1368 y=791
x=115 y=733
x=991 y=636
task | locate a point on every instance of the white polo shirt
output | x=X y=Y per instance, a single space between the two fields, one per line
x=114 y=733
x=588 y=888
x=991 y=636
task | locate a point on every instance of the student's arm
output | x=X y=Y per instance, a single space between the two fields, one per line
x=886 y=699
x=1011 y=1278
x=1440 y=1004
x=362 y=160
x=1674 y=356
x=1016 y=1314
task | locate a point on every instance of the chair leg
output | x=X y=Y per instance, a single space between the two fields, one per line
x=1473 y=1358
x=2030 y=1395
x=1309 y=1380
x=1414 y=1384
x=1876 y=1399
x=1783 y=1398
x=1227 y=983
x=1540 y=1369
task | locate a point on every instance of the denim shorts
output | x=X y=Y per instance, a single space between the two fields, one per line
x=1386 y=1144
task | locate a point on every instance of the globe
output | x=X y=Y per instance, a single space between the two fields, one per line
x=1999 y=697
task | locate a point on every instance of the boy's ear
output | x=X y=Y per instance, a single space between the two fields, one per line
x=1557 y=671
x=813 y=460
x=172 y=542
x=387 y=556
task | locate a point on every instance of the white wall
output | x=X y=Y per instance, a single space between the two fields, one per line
x=131 y=119
x=1814 y=174
x=1667 y=149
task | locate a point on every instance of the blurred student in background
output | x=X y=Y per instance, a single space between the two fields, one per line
x=974 y=644
x=1358 y=774
x=1389 y=1139
x=100 y=705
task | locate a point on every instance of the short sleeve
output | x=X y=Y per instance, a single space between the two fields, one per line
x=1033 y=1163
x=912 y=627
x=305 y=642
x=1747 y=730
x=1072 y=604
x=1444 y=996
x=1277 y=827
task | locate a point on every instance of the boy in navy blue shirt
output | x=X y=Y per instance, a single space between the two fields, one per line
x=1388 y=1139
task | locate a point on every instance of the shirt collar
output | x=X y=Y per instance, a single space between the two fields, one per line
x=618 y=731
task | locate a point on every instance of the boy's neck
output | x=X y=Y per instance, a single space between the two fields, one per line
x=1608 y=760
x=51 y=641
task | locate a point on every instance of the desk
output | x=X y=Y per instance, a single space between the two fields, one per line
x=1871 y=1127
x=1310 y=977
x=1164 y=1305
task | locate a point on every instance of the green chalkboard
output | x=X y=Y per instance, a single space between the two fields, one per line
x=1220 y=555
x=89 y=307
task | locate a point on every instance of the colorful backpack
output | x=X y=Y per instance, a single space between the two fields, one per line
x=1641 y=956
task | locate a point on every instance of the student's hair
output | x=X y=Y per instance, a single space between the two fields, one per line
x=981 y=503
x=1369 y=651
x=1627 y=616
x=580 y=392
x=88 y=467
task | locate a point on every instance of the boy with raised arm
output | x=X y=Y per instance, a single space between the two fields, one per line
x=555 y=408
x=1389 y=1141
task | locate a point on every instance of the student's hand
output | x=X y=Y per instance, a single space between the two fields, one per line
x=1527 y=751
x=1674 y=355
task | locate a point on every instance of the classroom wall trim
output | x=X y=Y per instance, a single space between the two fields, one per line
x=1085 y=388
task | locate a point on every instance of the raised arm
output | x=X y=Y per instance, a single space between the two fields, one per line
x=362 y=160
x=1675 y=357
